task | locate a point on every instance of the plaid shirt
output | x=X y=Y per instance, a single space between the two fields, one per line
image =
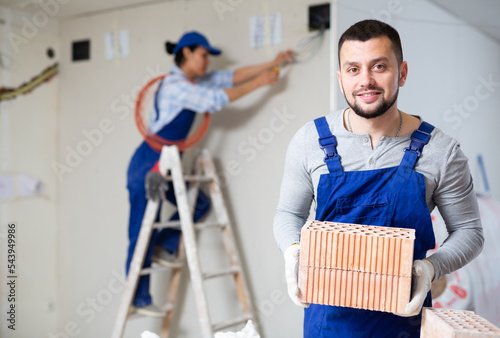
x=177 y=92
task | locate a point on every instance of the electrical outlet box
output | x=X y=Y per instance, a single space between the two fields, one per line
x=319 y=15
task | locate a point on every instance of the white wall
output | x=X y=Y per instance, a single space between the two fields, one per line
x=28 y=144
x=94 y=207
x=82 y=250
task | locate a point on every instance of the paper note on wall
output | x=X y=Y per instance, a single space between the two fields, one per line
x=6 y=187
x=29 y=186
x=265 y=30
x=13 y=186
x=123 y=43
x=117 y=44
x=109 y=45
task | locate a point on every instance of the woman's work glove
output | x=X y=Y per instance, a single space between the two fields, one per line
x=291 y=273
x=423 y=274
x=156 y=186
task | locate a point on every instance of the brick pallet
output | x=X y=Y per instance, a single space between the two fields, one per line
x=359 y=266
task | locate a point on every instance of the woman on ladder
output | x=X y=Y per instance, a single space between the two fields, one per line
x=187 y=90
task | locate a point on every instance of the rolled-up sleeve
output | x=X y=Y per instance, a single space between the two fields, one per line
x=218 y=79
x=200 y=98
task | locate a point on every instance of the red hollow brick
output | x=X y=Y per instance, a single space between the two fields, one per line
x=360 y=266
x=447 y=323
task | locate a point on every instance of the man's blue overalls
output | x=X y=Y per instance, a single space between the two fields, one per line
x=384 y=197
x=142 y=161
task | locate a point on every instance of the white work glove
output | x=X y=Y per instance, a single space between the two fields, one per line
x=156 y=186
x=423 y=273
x=291 y=273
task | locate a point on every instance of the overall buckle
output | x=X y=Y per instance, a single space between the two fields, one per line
x=329 y=146
x=413 y=149
x=419 y=139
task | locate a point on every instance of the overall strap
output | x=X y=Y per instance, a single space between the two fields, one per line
x=419 y=139
x=156 y=104
x=157 y=108
x=328 y=143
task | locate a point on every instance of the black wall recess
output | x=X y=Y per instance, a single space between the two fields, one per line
x=319 y=15
x=81 y=50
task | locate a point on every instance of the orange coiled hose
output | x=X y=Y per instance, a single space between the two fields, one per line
x=154 y=141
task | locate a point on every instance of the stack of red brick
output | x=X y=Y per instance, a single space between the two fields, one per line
x=359 y=266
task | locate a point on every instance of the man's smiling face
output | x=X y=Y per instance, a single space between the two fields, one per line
x=370 y=75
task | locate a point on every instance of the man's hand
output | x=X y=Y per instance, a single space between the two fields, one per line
x=423 y=273
x=291 y=273
x=156 y=186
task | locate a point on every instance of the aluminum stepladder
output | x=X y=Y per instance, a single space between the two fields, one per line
x=205 y=173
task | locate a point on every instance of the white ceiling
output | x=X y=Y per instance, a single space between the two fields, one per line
x=482 y=14
x=73 y=8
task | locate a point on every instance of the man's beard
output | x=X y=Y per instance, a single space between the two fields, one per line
x=379 y=111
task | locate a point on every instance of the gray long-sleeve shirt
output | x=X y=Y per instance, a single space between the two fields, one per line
x=448 y=185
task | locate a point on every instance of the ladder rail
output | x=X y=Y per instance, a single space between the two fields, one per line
x=135 y=267
x=229 y=240
x=204 y=172
x=176 y=278
x=187 y=227
x=173 y=292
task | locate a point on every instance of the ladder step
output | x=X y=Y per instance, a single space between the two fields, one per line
x=229 y=323
x=171 y=224
x=158 y=268
x=230 y=271
x=185 y=193
x=198 y=226
x=193 y=178
x=206 y=225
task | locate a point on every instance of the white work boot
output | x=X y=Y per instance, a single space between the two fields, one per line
x=150 y=310
x=163 y=257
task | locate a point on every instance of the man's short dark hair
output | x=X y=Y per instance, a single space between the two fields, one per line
x=369 y=29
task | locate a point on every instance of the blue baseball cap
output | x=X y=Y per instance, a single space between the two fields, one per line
x=195 y=39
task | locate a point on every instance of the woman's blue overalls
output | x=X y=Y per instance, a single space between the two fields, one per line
x=393 y=197
x=143 y=161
